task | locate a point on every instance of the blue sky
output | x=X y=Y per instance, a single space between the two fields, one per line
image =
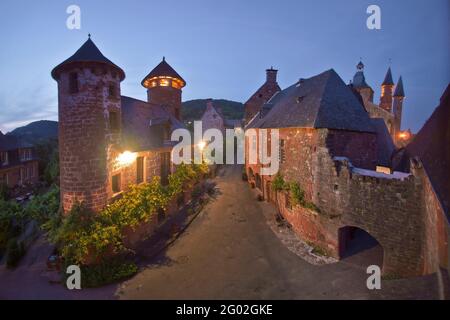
x=221 y=48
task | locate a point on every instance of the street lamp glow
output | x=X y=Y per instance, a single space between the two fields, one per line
x=126 y=158
x=201 y=145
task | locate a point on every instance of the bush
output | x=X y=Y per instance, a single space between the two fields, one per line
x=4 y=191
x=197 y=191
x=11 y=220
x=297 y=194
x=106 y=272
x=14 y=252
x=84 y=234
x=278 y=183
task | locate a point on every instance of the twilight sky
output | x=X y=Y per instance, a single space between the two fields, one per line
x=221 y=48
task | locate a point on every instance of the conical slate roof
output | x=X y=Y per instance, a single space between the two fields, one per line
x=322 y=101
x=163 y=69
x=88 y=52
x=399 y=92
x=388 y=78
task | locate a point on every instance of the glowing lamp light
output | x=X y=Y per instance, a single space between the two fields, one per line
x=201 y=145
x=126 y=158
x=403 y=135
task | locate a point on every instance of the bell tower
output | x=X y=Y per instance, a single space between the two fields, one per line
x=164 y=87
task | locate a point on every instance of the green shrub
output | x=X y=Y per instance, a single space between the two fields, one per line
x=11 y=221
x=83 y=233
x=106 y=272
x=278 y=183
x=14 y=252
x=296 y=193
x=197 y=191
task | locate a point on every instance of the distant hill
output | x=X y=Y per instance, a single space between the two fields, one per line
x=193 y=109
x=36 y=132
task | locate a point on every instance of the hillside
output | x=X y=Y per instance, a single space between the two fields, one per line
x=36 y=132
x=193 y=109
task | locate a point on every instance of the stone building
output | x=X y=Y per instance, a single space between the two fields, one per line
x=213 y=118
x=108 y=141
x=18 y=162
x=341 y=159
x=264 y=93
x=391 y=101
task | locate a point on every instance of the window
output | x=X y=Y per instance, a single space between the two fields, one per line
x=139 y=169
x=114 y=121
x=4 y=158
x=164 y=83
x=73 y=82
x=112 y=91
x=25 y=154
x=282 y=155
x=116 y=183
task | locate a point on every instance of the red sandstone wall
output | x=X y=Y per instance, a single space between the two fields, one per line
x=166 y=96
x=84 y=136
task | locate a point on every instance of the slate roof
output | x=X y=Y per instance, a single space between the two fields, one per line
x=143 y=124
x=322 y=101
x=9 y=142
x=388 y=78
x=399 y=92
x=359 y=80
x=88 y=52
x=163 y=69
x=385 y=145
x=432 y=146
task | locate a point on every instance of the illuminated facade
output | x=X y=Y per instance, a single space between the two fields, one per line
x=108 y=141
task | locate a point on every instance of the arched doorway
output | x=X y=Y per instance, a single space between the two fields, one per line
x=359 y=247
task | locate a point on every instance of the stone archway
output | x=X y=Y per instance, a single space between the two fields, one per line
x=359 y=247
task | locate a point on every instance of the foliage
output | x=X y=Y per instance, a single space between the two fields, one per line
x=14 y=252
x=10 y=222
x=278 y=183
x=86 y=235
x=4 y=191
x=43 y=207
x=47 y=153
x=106 y=272
x=297 y=194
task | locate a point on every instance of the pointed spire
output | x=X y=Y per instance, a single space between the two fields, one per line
x=360 y=66
x=88 y=52
x=388 y=78
x=399 y=92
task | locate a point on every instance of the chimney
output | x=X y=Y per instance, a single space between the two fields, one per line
x=271 y=75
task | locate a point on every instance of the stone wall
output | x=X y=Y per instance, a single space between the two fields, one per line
x=168 y=97
x=400 y=210
x=85 y=137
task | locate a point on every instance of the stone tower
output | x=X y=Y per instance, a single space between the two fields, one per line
x=399 y=95
x=164 y=87
x=262 y=95
x=359 y=83
x=386 y=92
x=89 y=114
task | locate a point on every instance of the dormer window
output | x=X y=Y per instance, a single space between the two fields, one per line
x=73 y=82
